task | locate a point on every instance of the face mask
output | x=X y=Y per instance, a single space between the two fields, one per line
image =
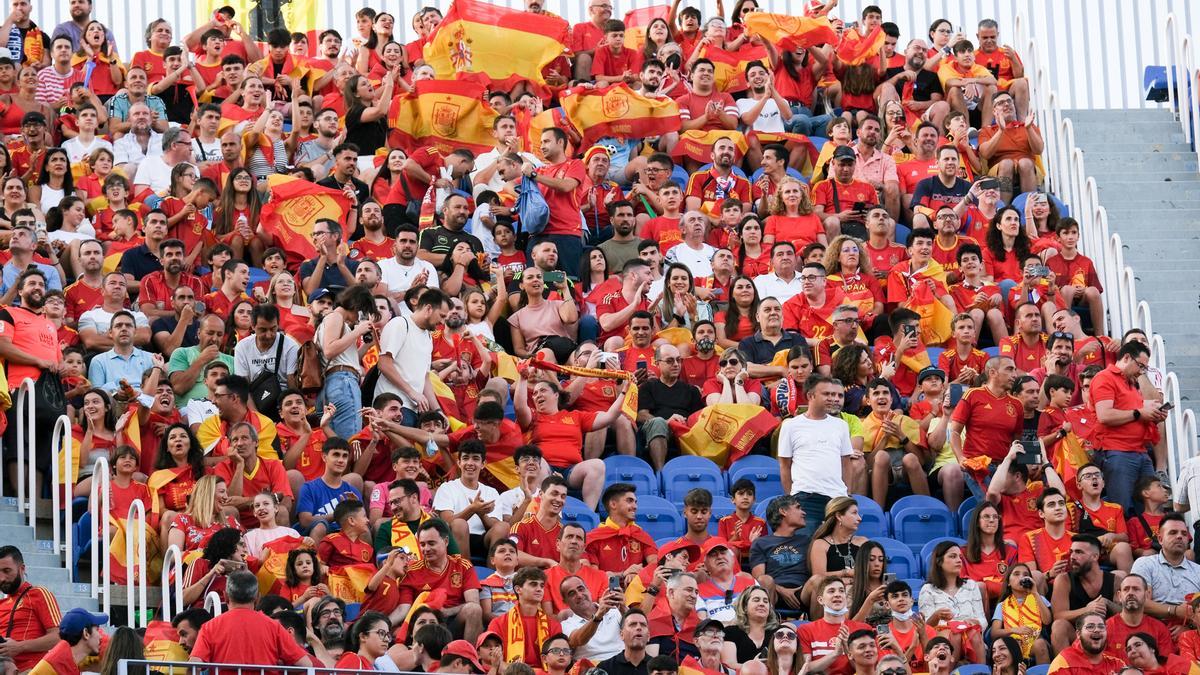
x=902 y=616
x=829 y=611
x=705 y=344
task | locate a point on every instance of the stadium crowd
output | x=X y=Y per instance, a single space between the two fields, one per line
x=414 y=435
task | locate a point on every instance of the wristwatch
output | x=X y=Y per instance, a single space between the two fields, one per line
x=1137 y=415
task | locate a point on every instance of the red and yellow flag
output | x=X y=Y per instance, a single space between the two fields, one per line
x=691 y=666
x=725 y=432
x=274 y=561
x=698 y=144
x=856 y=49
x=447 y=114
x=162 y=643
x=789 y=33
x=294 y=206
x=617 y=110
x=935 y=317
x=636 y=22
x=121 y=567
x=731 y=66
x=508 y=45
x=792 y=141
x=350 y=582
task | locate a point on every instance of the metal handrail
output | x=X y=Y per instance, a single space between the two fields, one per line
x=61 y=439
x=135 y=518
x=26 y=426
x=212 y=603
x=100 y=504
x=126 y=666
x=172 y=566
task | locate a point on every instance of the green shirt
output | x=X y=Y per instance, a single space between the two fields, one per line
x=182 y=359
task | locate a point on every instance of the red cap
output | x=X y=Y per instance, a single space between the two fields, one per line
x=483 y=638
x=463 y=649
x=680 y=545
x=714 y=543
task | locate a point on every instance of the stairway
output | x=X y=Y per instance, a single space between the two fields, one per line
x=1149 y=184
x=42 y=566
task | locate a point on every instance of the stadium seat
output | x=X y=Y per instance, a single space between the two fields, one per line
x=927 y=551
x=914 y=584
x=659 y=517
x=722 y=506
x=874 y=522
x=483 y=572
x=352 y=610
x=934 y=353
x=760 y=510
x=900 y=558
x=790 y=171
x=917 y=519
x=1038 y=670
x=630 y=469
x=974 y=669
x=687 y=472
x=992 y=352
x=1155 y=83
x=965 y=525
x=762 y=471
x=575 y=511
x=82 y=542
x=663 y=541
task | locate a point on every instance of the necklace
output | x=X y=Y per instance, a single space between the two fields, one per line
x=843 y=551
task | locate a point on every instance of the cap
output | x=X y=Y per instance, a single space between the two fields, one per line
x=463 y=649
x=713 y=543
x=318 y=294
x=484 y=636
x=679 y=545
x=706 y=624
x=33 y=117
x=593 y=151
x=77 y=620
x=843 y=152
x=931 y=371
x=5 y=59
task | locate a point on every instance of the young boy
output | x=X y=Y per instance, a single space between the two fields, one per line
x=190 y=225
x=613 y=63
x=496 y=594
x=383 y=590
x=320 y=497
x=352 y=544
x=903 y=631
x=963 y=363
x=697 y=510
x=664 y=229
x=742 y=527
x=1053 y=426
x=467 y=505
x=893 y=444
x=1035 y=287
x=731 y=215
x=1075 y=275
x=124 y=232
x=217 y=257
x=1143 y=527
x=975 y=296
x=274 y=262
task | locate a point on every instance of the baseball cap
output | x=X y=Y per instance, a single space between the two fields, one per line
x=843 y=152
x=77 y=620
x=318 y=294
x=465 y=650
x=5 y=59
x=706 y=624
x=678 y=545
x=713 y=543
x=484 y=636
x=931 y=371
x=33 y=117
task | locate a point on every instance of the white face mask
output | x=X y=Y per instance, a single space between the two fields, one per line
x=903 y=616
x=829 y=611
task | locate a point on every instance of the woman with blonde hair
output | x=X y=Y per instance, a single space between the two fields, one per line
x=835 y=543
x=192 y=529
x=792 y=217
x=755 y=623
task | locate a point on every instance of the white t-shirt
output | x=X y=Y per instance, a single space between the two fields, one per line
x=411 y=348
x=197 y=410
x=153 y=171
x=769 y=119
x=77 y=151
x=699 y=262
x=100 y=319
x=399 y=278
x=454 y=496
x=771 y=286
x=816 y=448
x=206 y=152
x=249 y=362
x=257 y=538
x=605 y=644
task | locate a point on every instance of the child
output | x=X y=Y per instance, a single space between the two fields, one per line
x=406 y=463
x=185 y=212
x=1189 y=641
x=217 y=256
x=613 y=63
x=496 y=594
x=436 y=463
x=483 y=221
x=1075 y=275
x=1022 y=607
x=1053 y=426
x=303 y=578
x=1037 y=286
x=511 y=260
x=74 y=378
x=893 y=445
x=124 y=234
x=976 y=296
x=787 y=397
x=125 y=461
x=731 y=215
x=665 y=228
x=116 y=198
x=742 y=527
x=1143 y=528
x=351 y=545
x=274 y=262
x=383 y=590
x=321 y=497
x=903 y=629
x=961 y=362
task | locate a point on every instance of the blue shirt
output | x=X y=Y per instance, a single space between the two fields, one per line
x=9 y=275
x=109 y=368
x=317 y=498
x=759 y=350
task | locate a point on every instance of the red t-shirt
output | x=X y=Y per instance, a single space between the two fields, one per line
x=992 y=422
x=847 y=195
x=1110 y=385
x=1027 y=358
x=884 y=259
x=964 y=294
x=430 y=161
x=218 y=303
x=154 y=65
x=1001 y=270
x=693 y=105
x=564 y=206
x=617 y=554
x=606 y=63
x=456 y=578
x=1119 y=632
x=81 y=297
x=156 y=292
x=697 y=371
x=712 y=190
x=1139 y=537
x=190 y=230
x=1078 y=271
x=37 y=613
x=816 y=641
x=337 y=551
x=1019 y=512
x=615 y=302
x=585 y=36
x=560 y=436
x=914 y=171
x=533 y=648
x=534 y=539
x=1043 y=550
x=800 y=230
x=365 y=250
x=510 y=439
x=268 y=476
x=953 y=364
x=664 y=230
x=595 y=579
x=948 y=257
x=243 y=635
x=597 y=395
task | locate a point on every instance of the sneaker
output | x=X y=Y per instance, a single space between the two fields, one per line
x=1164 y=478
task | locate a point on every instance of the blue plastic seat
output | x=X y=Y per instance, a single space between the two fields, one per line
x=483 y=572
x=630 y=469
x=82 y=543
x=688 y=472
x=974 y=669
x=927 y=551
x=762 y=471
x=352 y=610
x=659 y=517
x=760 y=510
x=874 y=522
x=965 y=525
x=917 y=519
x=934 y=353
x=1156 y=83
x=1038 y=670
x=900 y=558
x=663 y=541
x=576 y=512
x=914 y=584
x=722 y=506
x=992 y=353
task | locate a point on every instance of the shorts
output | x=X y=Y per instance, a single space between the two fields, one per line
x=994 y=170
x=655 y=427
x=565 y=472
x=478 y=547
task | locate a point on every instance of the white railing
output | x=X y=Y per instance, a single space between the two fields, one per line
x=26 y=449
x=136 y=520
x=126 y=666
x=1182 y=96
x=100 y=504
x=172 y=568
x=212 y=603
x=62 y=488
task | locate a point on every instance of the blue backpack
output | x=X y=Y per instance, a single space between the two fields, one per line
x=533 y=214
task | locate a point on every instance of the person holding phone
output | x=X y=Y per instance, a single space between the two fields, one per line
x=841 y=200
x=224 y=554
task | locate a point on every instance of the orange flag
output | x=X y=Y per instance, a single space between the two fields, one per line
x=162 y=643
x=636 y=21
x=447 y=114
x=698 y=144
x=617 y=110
x=856 y=49
x=724 y=432
x=508 y=45
x=294 y=206
x=731 y=66
x=791 y=32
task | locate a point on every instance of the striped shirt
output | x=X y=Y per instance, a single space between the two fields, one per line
x=52 y=85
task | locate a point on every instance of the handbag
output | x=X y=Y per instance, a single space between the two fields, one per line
x=49 y=399
x=265 y=388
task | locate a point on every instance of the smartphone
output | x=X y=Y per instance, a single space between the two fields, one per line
x=674 y=61
x=1166 y=407
x=1041 y=271
x=957 y=390
x=888 y=577
x=882 y=629
x=614 y=583
x=989 y=184
x=641 y=365
x=1031 y=453
x=859 y=207
x=554 y=277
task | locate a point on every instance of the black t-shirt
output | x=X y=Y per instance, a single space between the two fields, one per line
x=924 y=87
x=784 y=558
x=746 y=649
x=368 y=136
x=167 y=324
x=441 y=240
x=139 y=262
x=361 y=189
x=662 y=401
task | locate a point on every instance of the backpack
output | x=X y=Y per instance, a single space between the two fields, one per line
x=265 y=387
x=533 y=214
x=309 y=376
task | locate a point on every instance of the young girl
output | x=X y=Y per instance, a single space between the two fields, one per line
x=265 y=507
x=1143 y=527
x=114 y=198
x=294 y=317
x=482 y=315
x=986 y=555
x=96 y=435
x=124 y=490
x=1022 y=614
x=303 y=578
x=740 y=318
x=184 y=207
x=237 y=213
x=787 y=398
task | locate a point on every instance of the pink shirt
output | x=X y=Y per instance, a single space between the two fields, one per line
x=877 y=170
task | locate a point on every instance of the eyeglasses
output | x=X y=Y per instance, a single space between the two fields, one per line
x=559 y=651
x=329 y=612
x=1091 y=475
x=381 y=634
x=892 y=671
x=320 y=232
x=1143 y=366
x=851 y=321
x=947 y=216
x=671 y=360
x=811 y=277
x=728 y=362
x=1059 y=335
x=395 y=502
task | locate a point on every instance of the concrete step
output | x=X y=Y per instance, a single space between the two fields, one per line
x=1092 y=148
x=1120 y=116
x=1109 y=176
x=1164 y=248
x=1182 y=160
x=1139 y=128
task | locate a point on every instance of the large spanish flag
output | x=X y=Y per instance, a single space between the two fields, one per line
x=447 y=114
x=725 y=432
x=350 y=582
x=294 y=206
x=936 y=317
x=507 y=44
x=730 y=66
x=698 y=144
x=617 y=110
x=161 y=643
x=636 y=21
x=856 y=49
x=274 y=561
x=791 y=32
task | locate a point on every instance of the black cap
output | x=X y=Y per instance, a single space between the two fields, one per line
x=33 y=117
x=844 y=152
x=706 y=624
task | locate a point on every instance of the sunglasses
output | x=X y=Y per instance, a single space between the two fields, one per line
x=728 y=362
x=785 y=635
x=892 y=671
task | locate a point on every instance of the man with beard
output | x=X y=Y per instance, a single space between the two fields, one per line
x=31 y=627
x=374 y=244
x=842 y=201
x=594 y=626
x=156 y=412
x=635 y=632
x=317 y=154
x=1173 y=579
x=944 y=189
x=187 y=364
x=368 y=275
x=560 y=180
x=623 y=245
x=95 y=323
x=180 y=328
x=123 y=362
x=22 y=245
x=122 y=118
x=231 y=158
x=88 y=288
x=460 y=358
x=706 y=191
x=439 y=241
x=1085 y=589
x=1087 y=656
x=486 y=175
x=331 y=268
x=875 y=167
x=922 y=164
x=764 y=110
x=1133 y=619
x=157 y=289
x=81 y=16
x=774 y=165
x=188 y=623
x=917 y=89
x=405 y=270
x=412 y=336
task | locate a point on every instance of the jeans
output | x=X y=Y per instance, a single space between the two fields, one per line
x=343 y=389
x=813 y=505
x=570 y=249
x=589 y=328
x=1121 y=472
x=804 y=122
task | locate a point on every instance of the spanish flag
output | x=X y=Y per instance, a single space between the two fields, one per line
x=447 y=114
x=1067 y=456
x=725 y=432
x=636 y=21
x=294 y=67
x=161 y=643
x=617 y=110
x=274 y=561
x=792 y=141
x=294 y=206
x=856 y=49
x=697 y=144
x=350 y=582
x=789 y=33
x=507 y=44
x=691 y=666
x=935 y=316
x=731 y=66
x=121 y=567
x=297 y=16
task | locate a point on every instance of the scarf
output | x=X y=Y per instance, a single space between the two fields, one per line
x=514 y=633
x=403 y=536
x=629 y=407
x=1025 y=612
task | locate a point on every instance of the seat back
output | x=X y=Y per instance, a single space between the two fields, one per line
x=576 y=512
x=762 y=471
x=629 y=469
x=722 y=506
x=659 y=517
x=874 y=522
x=917 y=525
x=686 y=473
